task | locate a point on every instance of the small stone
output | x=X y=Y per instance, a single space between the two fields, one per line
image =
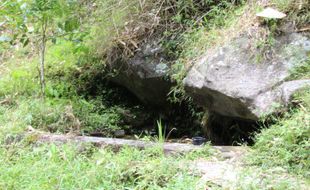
x=271 y=13
x=119 y=133
x=161 y=68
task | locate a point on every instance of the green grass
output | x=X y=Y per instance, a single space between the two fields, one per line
x=71 y=167
x=161 y=131
x=286 y=144
x=302 y=70
x=280 y=157
x=61 y=115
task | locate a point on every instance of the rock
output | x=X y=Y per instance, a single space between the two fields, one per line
x=145 y=74
x=271 y=13
x=233 y=82
x=270 y=101
x=136 y=119
x=119 y=133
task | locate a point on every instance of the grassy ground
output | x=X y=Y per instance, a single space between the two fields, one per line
x=70 y=167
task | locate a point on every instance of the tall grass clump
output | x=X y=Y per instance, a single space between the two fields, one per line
x=161 y=131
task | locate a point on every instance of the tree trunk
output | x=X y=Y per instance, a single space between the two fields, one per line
x=42 y=58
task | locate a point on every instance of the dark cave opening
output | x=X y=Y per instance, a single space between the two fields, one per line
x=180 y=120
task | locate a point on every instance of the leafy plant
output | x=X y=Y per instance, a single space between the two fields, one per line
x=39 y=21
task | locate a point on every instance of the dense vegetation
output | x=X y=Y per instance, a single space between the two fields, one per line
x=77 y=39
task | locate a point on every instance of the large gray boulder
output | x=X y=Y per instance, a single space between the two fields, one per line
x=145 y=74
x=239 y=81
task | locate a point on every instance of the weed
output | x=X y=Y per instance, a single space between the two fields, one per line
x=161 y=132
x=203 y=153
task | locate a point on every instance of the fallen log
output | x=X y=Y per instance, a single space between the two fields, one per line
x=115 y=143
x=228 y=152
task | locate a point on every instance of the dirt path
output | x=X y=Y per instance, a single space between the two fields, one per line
x=222 y=169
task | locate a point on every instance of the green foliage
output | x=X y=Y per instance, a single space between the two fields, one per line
x=72 y=68
x=20 y=77
x=40 y=21
x=19 y=80
x=279 y=158
x=97 y=117
x=26 y=18
x=201 y=12
x=76 y=115
x=10 y=12
x=286 y=143
x=204 y=153
x=264 y=46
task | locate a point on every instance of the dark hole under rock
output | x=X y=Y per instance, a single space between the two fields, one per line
x=221 y=130
x=180 y=120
